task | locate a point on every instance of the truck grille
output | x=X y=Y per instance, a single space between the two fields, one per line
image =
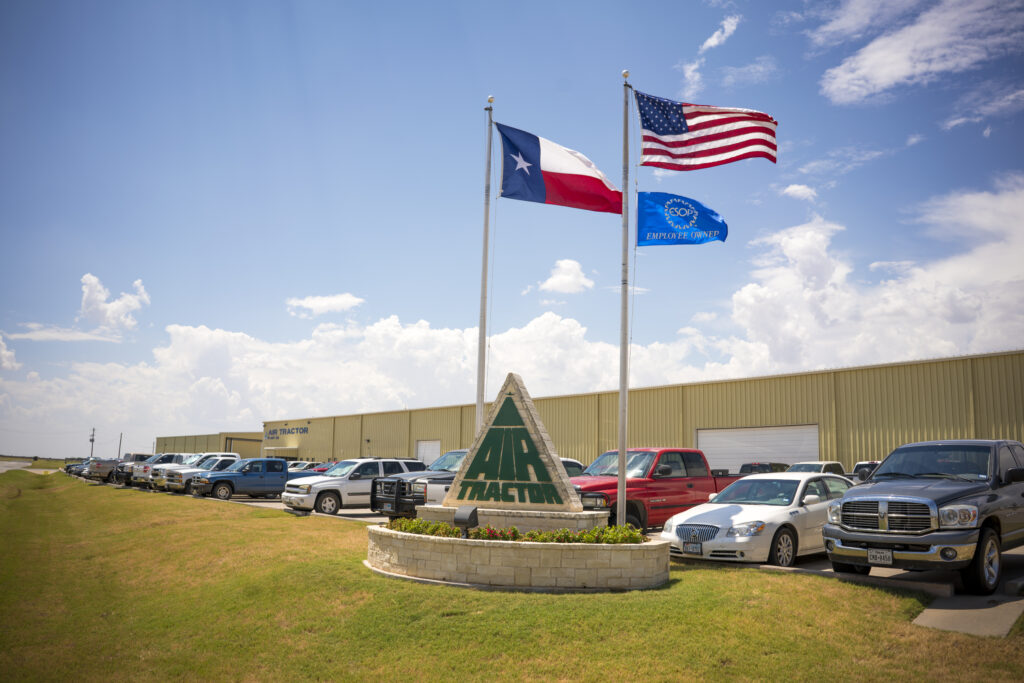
x=889 y=516
x=696 y=532
x=389 y=488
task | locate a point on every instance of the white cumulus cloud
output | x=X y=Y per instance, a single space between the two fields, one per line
x=566 y=278
x=311 y=306
x=803 y=192
x=728 y=27
x=110 y=316
x=950 y=37
x=7 y=360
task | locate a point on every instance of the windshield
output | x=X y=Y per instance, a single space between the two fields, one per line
x=449 y=462
x=607 y=465
x=758 y=492
x=938 y=460
x=199 y=459
x=237 y=466
x=154 y=458
x=341 y=469
x=805 y=467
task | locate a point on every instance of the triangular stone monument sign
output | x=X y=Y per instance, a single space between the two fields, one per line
x=513 y=464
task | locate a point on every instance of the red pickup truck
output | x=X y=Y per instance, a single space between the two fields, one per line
x=659 y=483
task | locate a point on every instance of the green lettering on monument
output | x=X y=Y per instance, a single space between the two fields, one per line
x=488 y=459
x=526 y=456
x=493 y=491
x=551 y=494
x=506 y=495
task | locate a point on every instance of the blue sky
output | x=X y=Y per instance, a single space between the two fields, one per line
x=218 y=213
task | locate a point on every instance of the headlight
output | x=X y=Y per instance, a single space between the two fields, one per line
x=835 y=512
x=594 y=500
x=958 y=516
x=747 y=529
x=669 y=526
x=419 y=489
x=304 y=488
x=202 y=480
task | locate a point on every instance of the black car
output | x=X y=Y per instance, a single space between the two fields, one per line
x=399 y=494
x=763 y=467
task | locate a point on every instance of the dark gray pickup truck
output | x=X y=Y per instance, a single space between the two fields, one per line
x=934 y=505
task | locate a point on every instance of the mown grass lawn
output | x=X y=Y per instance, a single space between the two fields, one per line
x=100 y=583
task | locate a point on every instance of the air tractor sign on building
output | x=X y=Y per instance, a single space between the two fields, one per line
x=512 y=464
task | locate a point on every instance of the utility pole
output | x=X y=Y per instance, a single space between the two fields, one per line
x=119 y=445
x=92 y=440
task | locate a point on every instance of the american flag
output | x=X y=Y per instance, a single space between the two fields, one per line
x=686 y=137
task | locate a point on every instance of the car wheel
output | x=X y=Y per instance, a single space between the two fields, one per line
x=222 y=491
x=188 y=488
x=783 y=551
x=843 y=568
x=328 y=503
x=982 y=576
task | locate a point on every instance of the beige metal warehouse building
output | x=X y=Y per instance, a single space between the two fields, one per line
x=847 y=415
x=246 y=444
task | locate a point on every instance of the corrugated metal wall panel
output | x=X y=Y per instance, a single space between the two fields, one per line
x=998 y=383
x=880 y=408
x=436 y=423
x=608 y=425
x=388 y=435
x=313 y=437
x=655 y=417
x=571 y=422
x=348 y=435
x=190 y=444
x=468 y=429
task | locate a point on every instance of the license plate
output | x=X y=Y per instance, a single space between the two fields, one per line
x=388 y=506
x=879 y=556
x=692 y=549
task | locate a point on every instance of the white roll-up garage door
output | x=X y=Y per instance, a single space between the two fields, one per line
x=428 y=451
x=730 y=448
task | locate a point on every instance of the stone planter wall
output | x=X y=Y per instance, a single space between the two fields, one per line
x=567 y=566
x=524 y=520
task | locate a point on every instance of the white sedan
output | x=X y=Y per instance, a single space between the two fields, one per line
x=760 y=518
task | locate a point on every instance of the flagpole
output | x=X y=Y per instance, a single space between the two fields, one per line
x=481 y=351
x=620 y=517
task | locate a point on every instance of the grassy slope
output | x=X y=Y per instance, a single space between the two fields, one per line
x=102 y=583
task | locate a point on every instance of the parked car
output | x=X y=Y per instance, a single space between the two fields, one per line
x=323 y=466
x=347 y=484
x=954 y=505
x=123 y=471
x=827 y=466
x=659 y=483
x=198 y=462
x=254 y=477
x=760 y=467
x=75 y=469
x=142 y=472
x=180 y=480
x=865 y=466
x=771 y=518
x=399 y=494
x=298 y=465
x=573 y=468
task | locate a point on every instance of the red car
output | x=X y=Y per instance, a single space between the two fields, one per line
x=323 y=467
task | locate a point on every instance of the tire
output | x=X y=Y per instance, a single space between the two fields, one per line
x=634 y=521
x=843 y=568
x=222 y=491
x=328 y=503
x=188 y=488
x=783 y=551
x=983 y=575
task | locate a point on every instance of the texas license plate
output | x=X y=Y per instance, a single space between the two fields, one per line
x=388 y=506
x=876 y=556
x=692 y=548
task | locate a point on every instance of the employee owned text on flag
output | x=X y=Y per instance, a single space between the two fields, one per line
x=687 y=137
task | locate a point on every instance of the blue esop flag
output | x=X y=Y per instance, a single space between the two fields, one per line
x=664 y=218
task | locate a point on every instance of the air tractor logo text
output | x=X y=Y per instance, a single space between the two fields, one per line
x=507 y=466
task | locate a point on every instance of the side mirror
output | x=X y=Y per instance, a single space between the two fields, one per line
x=663 y=471
x=863 y=475
x=1014 y=475
x=811 y=499
x=711 y=498
x=355 y=475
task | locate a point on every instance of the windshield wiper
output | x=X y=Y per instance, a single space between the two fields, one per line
x=949 y=475
x=892 y=474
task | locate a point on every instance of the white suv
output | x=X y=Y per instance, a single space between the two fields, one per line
x=347 y=484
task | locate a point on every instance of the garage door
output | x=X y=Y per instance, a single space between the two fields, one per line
x=428 y=451
x=730 y=448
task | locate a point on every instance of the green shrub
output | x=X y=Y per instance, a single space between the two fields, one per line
x=601 y=534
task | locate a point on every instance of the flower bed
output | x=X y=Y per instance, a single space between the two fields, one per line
x=519 y=565
x=603 y=534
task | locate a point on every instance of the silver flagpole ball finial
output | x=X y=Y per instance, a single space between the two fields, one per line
x=490 y=99
x=625 y=73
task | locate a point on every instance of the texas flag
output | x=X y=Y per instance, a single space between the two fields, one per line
x=538 y=170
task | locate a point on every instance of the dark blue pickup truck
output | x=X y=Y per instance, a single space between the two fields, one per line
x=934 y=505
x=255 y=477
